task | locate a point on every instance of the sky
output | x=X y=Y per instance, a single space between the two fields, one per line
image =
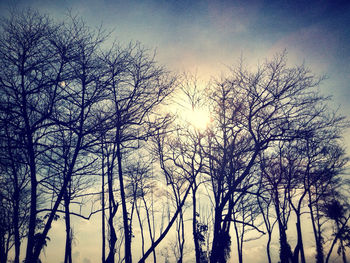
x=206 y=37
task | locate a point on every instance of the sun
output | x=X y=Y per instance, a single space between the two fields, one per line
x=198 y=118
x=190 y=110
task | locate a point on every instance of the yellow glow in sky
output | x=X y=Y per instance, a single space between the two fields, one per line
x=198 y=118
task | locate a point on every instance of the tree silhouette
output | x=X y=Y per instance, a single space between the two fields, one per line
x=251 y=112
x=74 y=106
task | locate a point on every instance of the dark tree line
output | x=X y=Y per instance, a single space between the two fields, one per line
x=83 y=118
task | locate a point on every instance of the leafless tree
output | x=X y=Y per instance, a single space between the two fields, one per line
x=264 y=201
x=337 y=211
x=245 y=219
x=251 y=111
x=325 y=161
x=71 y=109
x=137 y=86
x=31 y=86
x=51 y=87
x=14 y=186
x=187 y=150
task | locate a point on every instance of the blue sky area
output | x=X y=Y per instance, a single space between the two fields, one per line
x=206 y=36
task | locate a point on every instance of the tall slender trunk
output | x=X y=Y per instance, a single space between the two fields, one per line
x=42 y=237
x=154 y=228
x=342 y=248
x=194 y=225
x=343 y=251
x=113 y=208
x=3 y=255
x=32 y=169
x=238 y=240
x=16 y=221
x=316 y=227
x=128 y=256
x=103 y=209
x=285 y=251
x=16 y=197
x=151 y=235
x=268 y=247
x=33 y=202
x=269 y=227
x=68 y=247
x=112 y=237
x=181 y=237
x=141 y=227
x=300 y=244
x=166 y=230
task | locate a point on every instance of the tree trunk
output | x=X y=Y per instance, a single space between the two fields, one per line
x=268 y=247
x=32 y=167
x=3 y=256
x=32 y=216
x=141 y=227
x=343 y=251
x=112 y=238
x=16 y=222
x=166 y=230
x=194 y=225
x=113 y=208
x=181 y=237
x=103 y=210
x=342 y=248
x=68 y=247
x=317 y=231
x=239 y=238
x=221 y=240
x=285 y=251
x=128 y=256
x=300 y=241
x=150 y=227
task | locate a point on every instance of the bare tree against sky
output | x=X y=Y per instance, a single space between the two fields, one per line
x=136 y=89
x=31 y=89
x=251 y=111
x=74 y=105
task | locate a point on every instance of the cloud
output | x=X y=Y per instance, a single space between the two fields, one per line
x=314 y=43
x=233 y=16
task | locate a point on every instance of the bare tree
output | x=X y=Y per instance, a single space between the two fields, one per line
x=75 y=118
x=278 y=172
x=71 y=109
x=244 y=217
x=81 y=181
x=178 y=180
x=136 y=90
x=338 y=212
x=264 y=201
x=140 y=185
x=31 y=86
x=250 y=112
x=325 y=161
x=52 y=87
x=14 y=186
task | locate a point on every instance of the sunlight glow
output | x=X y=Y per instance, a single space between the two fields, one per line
x=198 y=118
